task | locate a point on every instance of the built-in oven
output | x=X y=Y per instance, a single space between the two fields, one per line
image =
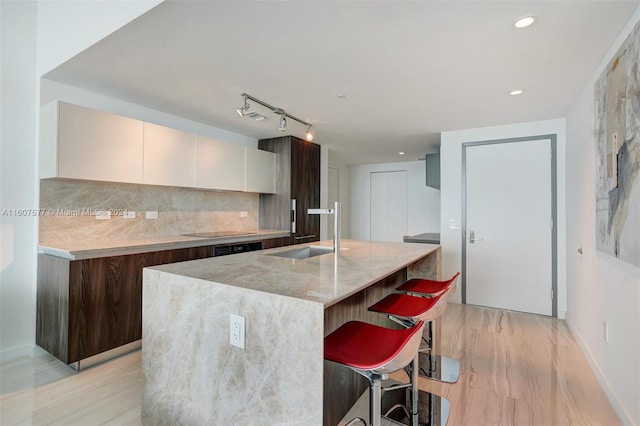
x=225 y=249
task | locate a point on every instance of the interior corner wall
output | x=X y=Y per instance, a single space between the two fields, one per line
x=424 y=201
x=36 y=37
x=600 y=288
x=451 y=186
x=66 y=28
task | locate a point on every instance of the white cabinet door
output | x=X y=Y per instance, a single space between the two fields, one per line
x=96 y=145
x=170 y=156
x=261 y=171
x=221 y=165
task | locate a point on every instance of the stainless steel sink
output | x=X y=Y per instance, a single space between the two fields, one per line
x=302 y=253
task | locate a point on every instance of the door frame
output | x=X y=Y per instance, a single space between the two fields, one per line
x=554 y=211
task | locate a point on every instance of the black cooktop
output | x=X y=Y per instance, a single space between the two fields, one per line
x=218 y=234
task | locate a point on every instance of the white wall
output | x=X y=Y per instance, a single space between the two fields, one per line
x=36 y=37
x=451 y=186
x=18 y=171
x=424 y=201
x=600 y=288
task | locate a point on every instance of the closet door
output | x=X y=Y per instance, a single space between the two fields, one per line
x=389 y=205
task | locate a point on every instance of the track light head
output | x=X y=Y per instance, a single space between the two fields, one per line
x=244 y=108
x=308 y=135
x=283 y=123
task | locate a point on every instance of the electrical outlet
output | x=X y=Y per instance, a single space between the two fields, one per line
x=128 y=214
x=151 y=214
x=244 y=214
x=605 y=331
x=236 y=330
x=453 y=224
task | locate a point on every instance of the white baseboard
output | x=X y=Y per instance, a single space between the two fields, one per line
x=620 y=410
x=20 y=351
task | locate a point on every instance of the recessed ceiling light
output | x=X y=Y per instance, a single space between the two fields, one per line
x=401 y=153
x=516 y=92
x=524 y=22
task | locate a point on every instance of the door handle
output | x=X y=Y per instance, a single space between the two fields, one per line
x=472 y=236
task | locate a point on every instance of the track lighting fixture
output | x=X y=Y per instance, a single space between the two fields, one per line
x=244 y=111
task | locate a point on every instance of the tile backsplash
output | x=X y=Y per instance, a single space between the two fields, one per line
x=70 y=208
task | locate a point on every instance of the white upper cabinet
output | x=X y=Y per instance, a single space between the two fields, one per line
x=221 y=165
x=82 y=143
x=170 y=156
x=261 y=171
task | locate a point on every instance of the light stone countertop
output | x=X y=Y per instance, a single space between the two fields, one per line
x=104 y=248
x=324 y=279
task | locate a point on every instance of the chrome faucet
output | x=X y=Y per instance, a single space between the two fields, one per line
x=335 y=211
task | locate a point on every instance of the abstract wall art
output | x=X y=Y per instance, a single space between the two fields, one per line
x=617 y=138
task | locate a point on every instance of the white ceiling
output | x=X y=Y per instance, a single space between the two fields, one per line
x=409 y=70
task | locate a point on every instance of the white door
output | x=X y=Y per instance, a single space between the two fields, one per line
x=389 y=200
x=509 y=226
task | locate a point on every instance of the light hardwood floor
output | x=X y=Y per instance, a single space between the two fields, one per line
x=516 y=369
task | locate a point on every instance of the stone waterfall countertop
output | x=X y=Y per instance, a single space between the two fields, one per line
x=74 y=250
x=325 y=279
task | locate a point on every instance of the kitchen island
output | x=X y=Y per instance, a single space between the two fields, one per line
x=191 y=373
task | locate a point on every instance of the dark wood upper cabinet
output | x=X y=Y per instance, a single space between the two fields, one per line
x=298 y=178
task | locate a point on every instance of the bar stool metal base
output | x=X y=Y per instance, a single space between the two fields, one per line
x=433 y=409
x=440 y=368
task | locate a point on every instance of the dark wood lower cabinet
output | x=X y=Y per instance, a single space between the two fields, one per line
x=86 y=307
x=276 y=242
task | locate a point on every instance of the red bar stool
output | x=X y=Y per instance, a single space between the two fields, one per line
x=374 y=352
x=408 y=311
x=430 y=288
x=439 y=368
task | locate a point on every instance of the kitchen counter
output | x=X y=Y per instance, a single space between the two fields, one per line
x=104 y=248
x=319 y=279
x=289 y=305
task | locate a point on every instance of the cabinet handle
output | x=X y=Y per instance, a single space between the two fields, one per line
x=293 y=222
x=305 y=236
